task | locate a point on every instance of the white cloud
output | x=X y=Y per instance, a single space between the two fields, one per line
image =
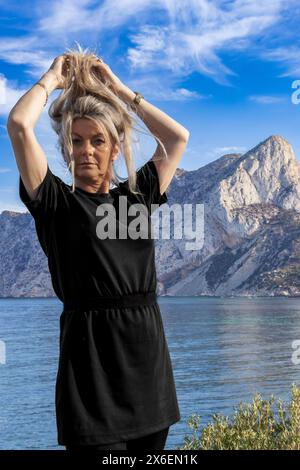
x=187 y=93
x=69 y=16
x=15 y=51
x=220 y=151
x=191 y=36
x=198 y=32
x=265 y=99
x=288 y=56
x=163 y=90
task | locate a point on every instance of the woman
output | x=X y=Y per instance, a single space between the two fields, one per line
x=115 y=387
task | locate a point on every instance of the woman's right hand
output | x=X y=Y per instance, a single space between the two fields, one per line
x=60 y=69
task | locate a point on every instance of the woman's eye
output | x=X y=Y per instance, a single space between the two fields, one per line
x=75 y=141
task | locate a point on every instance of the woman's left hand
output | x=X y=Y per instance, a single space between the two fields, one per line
x=107 y=74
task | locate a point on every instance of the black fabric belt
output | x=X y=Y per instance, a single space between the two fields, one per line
x=129 y=300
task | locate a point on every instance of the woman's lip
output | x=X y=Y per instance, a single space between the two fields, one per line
x=87 y=164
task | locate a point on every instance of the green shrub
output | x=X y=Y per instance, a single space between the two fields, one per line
x=263 y=424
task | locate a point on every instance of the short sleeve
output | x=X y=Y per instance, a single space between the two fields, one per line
x=149 y=185
x=43 y=208
x=46 y=198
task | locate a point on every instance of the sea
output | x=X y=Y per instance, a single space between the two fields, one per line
x=223 y=351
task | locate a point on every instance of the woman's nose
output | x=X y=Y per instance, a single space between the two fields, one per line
x=87 y=148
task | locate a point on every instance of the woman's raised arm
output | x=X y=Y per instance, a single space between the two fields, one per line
x=30 y=157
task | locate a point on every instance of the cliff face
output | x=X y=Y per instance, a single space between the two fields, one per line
x=251 y=229
x=24 y=267
x=251 y=226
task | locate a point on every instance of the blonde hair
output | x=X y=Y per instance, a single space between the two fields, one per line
x=87 y=95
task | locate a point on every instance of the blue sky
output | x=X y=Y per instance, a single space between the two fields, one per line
x=222 y=68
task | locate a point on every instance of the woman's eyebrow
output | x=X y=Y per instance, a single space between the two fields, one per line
x=75 y=133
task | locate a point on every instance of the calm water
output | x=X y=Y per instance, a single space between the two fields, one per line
x=222 y=350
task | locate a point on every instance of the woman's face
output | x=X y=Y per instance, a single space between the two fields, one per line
x=93 y=155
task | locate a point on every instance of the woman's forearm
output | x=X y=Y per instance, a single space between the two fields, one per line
x=28 y=109
x=158 y=122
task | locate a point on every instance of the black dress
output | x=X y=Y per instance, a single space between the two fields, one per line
x=115 y=380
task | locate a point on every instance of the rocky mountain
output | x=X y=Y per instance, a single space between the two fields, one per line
x=249 y=231
x=251 y=226
x=24 y=267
